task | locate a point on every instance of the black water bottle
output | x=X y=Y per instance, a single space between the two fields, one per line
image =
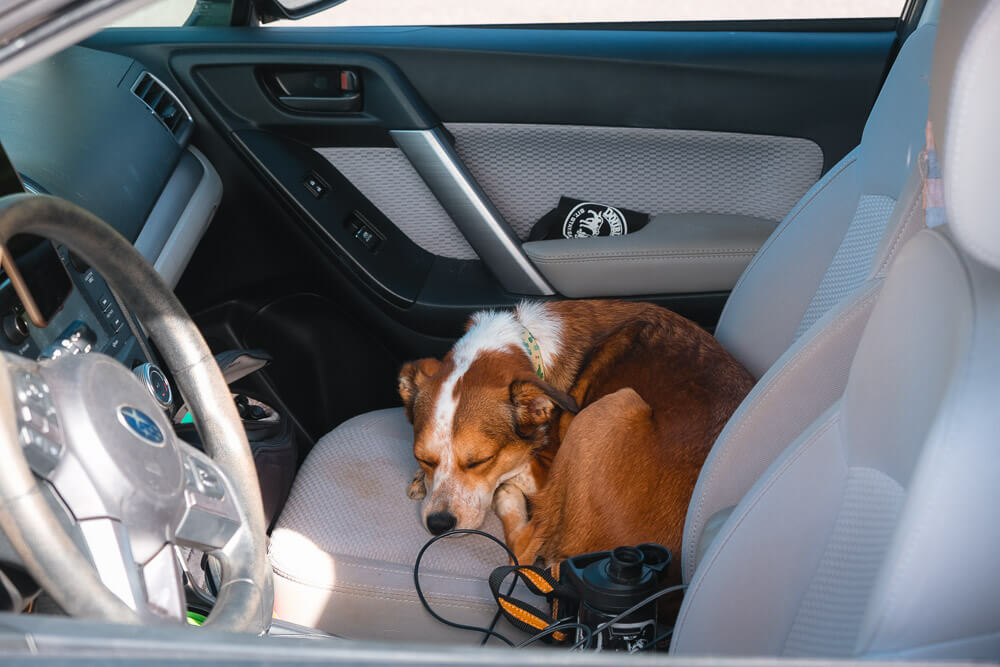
x=611 y=582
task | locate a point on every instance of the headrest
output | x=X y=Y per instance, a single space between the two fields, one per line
x=965 y=118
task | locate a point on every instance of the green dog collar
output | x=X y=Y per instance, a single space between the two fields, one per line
x=530 y=344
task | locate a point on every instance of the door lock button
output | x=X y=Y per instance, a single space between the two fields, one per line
x=315 y=185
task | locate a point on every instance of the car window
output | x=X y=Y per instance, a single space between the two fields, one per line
x=485 y=12
x=158 y=14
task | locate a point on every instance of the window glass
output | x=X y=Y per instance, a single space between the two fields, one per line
x=158 y=14
x=485 y=12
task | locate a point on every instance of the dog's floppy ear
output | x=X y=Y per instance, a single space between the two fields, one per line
x=411 y=377
x=534 y=402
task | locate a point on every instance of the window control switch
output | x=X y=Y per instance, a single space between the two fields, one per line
x=364 y=232
x=367 y=236
x=315 y=185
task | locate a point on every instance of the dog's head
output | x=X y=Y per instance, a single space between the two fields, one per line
x=478 y=416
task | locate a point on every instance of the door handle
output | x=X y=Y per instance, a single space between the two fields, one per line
x=333 y=104
x=314 y=89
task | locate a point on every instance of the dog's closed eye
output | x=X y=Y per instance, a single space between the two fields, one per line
x=475 y=464
x=427 y=464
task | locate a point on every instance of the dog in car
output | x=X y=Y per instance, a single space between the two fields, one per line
x=583 y=424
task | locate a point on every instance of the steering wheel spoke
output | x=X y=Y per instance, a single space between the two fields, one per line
x=152 y=589
x=210 y=516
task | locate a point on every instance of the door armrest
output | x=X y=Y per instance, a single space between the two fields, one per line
x=673 y=254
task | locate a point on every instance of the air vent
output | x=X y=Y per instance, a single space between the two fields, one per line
x=164 y=105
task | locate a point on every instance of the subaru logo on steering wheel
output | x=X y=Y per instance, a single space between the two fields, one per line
x=141 y=424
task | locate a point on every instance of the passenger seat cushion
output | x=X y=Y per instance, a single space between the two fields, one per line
x=349 y=535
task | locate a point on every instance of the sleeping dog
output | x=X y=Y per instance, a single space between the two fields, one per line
x=583 y=424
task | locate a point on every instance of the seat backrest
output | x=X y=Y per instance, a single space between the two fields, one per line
x=874 y=533
x=811 y=290
x=824 y=247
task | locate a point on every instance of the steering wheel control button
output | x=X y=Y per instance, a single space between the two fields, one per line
x=38 y=428
x=156 y=383
x=33 y=417
x=41 y=453
x=190 y=477
x=30 y=387
x=207 y=480
x=141 y=425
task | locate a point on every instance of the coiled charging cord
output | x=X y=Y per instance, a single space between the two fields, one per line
x=561 y=624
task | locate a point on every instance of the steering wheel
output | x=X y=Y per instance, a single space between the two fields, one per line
x=90 y=465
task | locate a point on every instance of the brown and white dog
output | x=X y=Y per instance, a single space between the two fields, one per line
x=596 y=415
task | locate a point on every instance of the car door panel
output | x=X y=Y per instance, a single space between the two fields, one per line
x=526 y=168
x=732 y=122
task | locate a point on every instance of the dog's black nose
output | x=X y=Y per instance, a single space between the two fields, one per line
x=440 y=522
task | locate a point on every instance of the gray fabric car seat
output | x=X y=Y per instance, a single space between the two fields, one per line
x=874 y=533
x=796 y=314
x=344 y=545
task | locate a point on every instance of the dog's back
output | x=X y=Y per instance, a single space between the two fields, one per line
x=654 y=393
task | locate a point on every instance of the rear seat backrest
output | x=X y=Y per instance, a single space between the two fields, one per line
x=796 y=315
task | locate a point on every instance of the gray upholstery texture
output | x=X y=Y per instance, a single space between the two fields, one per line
x=829 y=261
x=768 y=304
x=526 y=168
x=811 y=562
x=674 y=253
x=390 y=182
x=853 y=260
x=900 y=565
x=833 y=606
x=348 y=537
x=807 y=378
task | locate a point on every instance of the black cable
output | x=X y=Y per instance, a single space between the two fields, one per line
x=496 y=619
x=489 y=632
x=639 y=605
x=556 y=627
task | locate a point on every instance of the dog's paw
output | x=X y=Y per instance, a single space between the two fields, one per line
x=417 y=488
x=509 y=500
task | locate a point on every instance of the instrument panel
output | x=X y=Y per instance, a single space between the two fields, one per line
x=91 y=319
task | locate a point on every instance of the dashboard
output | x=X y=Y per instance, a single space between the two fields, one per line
x=90 y=313
x=101 y=131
